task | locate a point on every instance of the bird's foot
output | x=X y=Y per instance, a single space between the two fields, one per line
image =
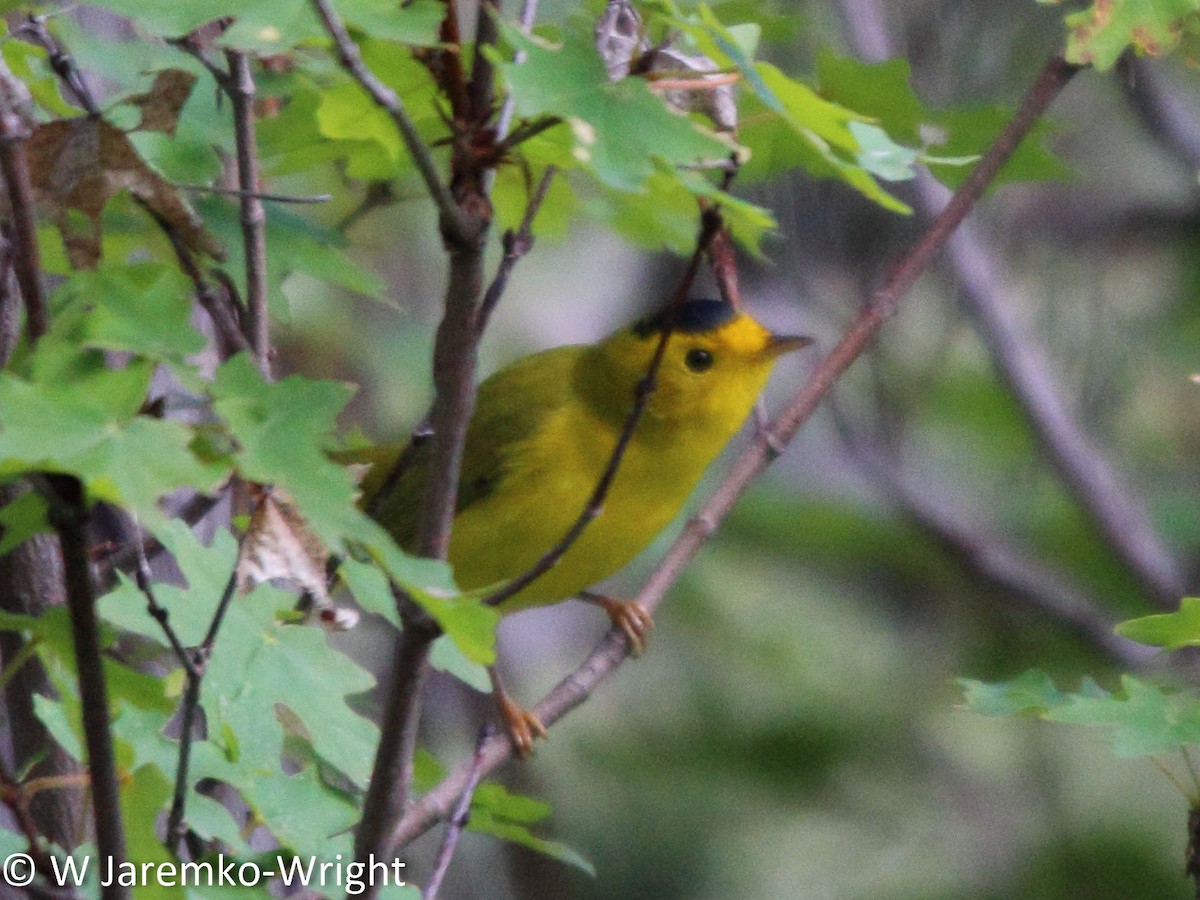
x=522 y=725
x=628 y=615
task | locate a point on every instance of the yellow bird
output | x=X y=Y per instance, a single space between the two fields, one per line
x=542 y=434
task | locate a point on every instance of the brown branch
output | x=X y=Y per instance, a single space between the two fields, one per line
x=68 y=514
x=458 y=821
x=481 y=87
x=452 y=220
x=231 y=339
x=516 y=245
x=1119 y=516
x=261 y=195
x=22 y=230
x=17 y=797
x=613 y=648
x=240 y=88
x=61 y=63
x=31 y=581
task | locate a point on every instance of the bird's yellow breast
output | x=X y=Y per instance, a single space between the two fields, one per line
x=548 y=479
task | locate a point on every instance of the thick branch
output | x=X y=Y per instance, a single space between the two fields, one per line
x=32 y=581
x=68 y=513
x=613 y=649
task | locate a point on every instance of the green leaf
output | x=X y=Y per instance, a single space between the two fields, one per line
x=445 y=656
x=280 y=430
x=79 y=417
x=970 y=131
x=1033 y=691
x=622 y=132
x=1169 y=630
x=143 y=309
x=22 y=518
x=496 y=812
x=1148 y=719
x=1098 y=35
x=880 y=90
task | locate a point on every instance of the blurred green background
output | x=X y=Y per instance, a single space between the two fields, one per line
x=793 y=730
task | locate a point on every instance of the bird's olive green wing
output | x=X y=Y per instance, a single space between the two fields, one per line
x=508 y=409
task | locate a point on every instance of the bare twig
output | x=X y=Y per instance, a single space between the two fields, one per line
x=231 y=338
x=68 y=514
x=194 y=665
x=240 y=88
x=17 y=798
x=261 y=195
x=1115 y=510
x=61 y=62
x=516 y=245
x=451 y=218
x=458 y=821
x=613 y=648
x=480 y=89
x=508 y=107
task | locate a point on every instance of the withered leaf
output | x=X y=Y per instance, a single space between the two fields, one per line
x=162 y=104
x=77 y=165
x=280 y=547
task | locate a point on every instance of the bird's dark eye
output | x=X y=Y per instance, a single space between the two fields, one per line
x=698 y=360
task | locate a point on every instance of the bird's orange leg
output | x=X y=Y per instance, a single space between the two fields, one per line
x=520 y=723
x=628 y=615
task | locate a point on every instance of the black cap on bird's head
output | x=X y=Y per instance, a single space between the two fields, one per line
x=691 y=317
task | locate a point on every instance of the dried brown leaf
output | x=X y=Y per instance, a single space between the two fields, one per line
x=77 y=165
x=162 y=104
x=280 y=547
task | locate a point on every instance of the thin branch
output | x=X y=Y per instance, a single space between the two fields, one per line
x=26 y=257
x=1117 y=513
x=391 y=773
x=261 y=195
x=458 y=820
x=1166 y=115
x=240 y=88
x=17 y=798
x=194 y=665
x=61 y=62
x=231 y=339
x=508 y=107
x=613 y=648
x=516 y=245
x=348 y=54
x=68 y=514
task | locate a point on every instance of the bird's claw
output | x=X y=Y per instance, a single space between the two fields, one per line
x=522 y=725
x=632 y=618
